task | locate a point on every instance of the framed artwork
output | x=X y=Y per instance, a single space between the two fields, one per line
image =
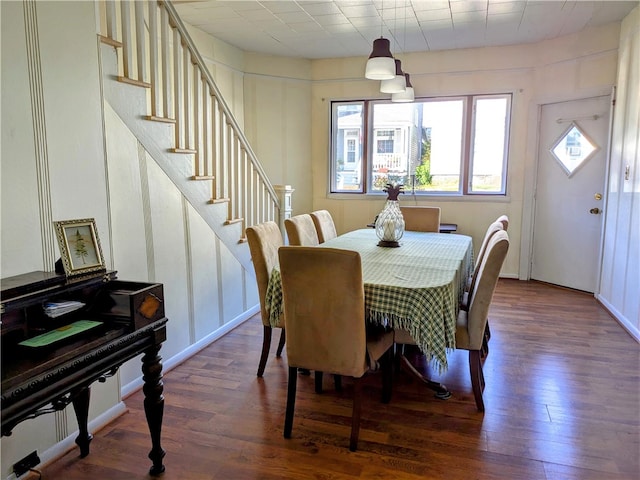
x=80 y=249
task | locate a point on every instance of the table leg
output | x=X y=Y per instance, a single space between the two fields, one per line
x=80 y=401
x=154 y=405
x=442 y=392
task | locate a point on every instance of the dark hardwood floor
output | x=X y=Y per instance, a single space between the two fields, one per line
x=562 y=402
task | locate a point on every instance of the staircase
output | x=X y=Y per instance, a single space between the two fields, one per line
x=158 y=84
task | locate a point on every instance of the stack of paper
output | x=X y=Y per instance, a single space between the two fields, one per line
x=55 y=309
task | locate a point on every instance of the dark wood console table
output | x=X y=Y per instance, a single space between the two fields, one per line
x=45 y=378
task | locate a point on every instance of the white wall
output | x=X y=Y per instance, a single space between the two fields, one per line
x=63 y=159
x=278 y=97
x=620 y=276
x=575 y=66
x=53 y=164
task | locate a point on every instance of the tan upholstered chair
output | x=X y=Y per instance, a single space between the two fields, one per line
x=264 y=241
x=491 y=230
x=496 y=226
x=301 y=230
x=421 y=219
x=504 y=220
x=325 y=227
x=471 y=324
x=326 y=326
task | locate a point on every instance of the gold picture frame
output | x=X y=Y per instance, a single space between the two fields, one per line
x=80 y=250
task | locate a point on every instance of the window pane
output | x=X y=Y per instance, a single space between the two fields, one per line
x=346 y=151
x=440 y=163
x=396 y=147
x=489 y=145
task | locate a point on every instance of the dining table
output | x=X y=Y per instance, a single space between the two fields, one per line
x=416 y=287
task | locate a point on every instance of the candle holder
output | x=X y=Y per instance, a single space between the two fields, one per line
x=390 y=222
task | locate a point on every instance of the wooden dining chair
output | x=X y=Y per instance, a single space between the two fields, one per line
x=421 y=219
x=471 y=324
x=301 y=230
x=325 y=227
x=326 y=329
x=264 y=240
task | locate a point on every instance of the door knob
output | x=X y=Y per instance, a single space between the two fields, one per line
x=595 y=211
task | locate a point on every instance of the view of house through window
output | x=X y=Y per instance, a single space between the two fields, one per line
x=430 y=145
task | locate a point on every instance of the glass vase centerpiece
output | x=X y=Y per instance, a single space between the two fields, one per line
x=390 y=223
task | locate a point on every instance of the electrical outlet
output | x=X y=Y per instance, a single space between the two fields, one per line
x=26 y=463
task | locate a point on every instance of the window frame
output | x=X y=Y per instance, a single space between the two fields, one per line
x=369 y=145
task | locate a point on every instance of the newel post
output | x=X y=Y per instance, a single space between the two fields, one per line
x=284 y=193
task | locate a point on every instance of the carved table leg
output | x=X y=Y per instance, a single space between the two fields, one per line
x=154 y=405
x=80 y=400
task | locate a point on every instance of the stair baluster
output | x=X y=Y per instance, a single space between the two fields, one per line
x=158 y=50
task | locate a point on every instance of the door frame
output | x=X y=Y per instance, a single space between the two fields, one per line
x=531 y=171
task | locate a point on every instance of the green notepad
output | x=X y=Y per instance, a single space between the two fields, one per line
x=60 y=333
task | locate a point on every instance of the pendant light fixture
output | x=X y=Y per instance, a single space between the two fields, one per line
x=380 y=65
x=397 y=84
x=407 y=96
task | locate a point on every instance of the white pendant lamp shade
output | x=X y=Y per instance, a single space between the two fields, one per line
x=397 y=83
x=380 y=65
x=407 y=96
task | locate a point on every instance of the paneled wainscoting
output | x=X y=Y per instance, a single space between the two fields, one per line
x=562 y=402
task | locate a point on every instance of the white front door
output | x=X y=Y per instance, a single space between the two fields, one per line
x=569 y=193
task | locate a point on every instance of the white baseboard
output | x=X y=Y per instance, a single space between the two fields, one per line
x=69 y=443
x=511 y=276
x=191 y=350
x=622 y=320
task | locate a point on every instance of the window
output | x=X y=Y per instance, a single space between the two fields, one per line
x=346 y=151
x=384 y=141
x=444 y=146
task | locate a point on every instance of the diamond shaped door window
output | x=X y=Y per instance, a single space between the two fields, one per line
x=573 y=149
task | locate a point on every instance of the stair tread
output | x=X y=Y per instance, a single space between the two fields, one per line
x=182 y=150
x=110 y=41
x=233 y=220
x=131 y=81
x=155 y=118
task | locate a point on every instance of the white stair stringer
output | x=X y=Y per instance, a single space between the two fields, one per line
x=130 y=104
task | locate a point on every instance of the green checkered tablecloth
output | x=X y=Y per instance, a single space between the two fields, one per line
x=416 y=287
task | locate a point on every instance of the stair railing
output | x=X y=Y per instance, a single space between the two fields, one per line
x=159 y=54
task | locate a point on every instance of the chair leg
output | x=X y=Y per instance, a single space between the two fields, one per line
x=266 y=345
x=337 y=381
x=485 y=341
x=387 y=374
x=398 y=349
x=283 y=337
x=477 y=377
x=355 y=416
x=484 y=351
x=318 y=379
x=291 y=401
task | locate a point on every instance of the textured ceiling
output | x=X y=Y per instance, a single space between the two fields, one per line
x=344 y=28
